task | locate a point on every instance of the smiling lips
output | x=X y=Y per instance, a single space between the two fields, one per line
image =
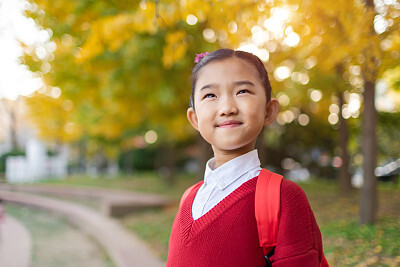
x=229 y=124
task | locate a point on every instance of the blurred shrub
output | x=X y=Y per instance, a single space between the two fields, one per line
x=14 y=152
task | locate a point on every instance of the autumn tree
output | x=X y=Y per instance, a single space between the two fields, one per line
x=124 y=66
x=12 y=111
x=121 y=63
x=352 y=36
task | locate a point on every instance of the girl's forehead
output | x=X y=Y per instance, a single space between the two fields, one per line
x=227 y=70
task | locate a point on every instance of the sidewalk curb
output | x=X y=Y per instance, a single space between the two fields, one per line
x=114 y=202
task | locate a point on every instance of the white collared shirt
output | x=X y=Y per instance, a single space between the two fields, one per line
x=220 y=182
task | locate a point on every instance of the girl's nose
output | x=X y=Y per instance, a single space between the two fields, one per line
x=227 y=106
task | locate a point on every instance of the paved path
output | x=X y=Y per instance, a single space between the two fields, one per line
x=114 y=202
x=124 y=248
x=15 y=243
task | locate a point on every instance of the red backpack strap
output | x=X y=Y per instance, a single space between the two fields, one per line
x=267 y=208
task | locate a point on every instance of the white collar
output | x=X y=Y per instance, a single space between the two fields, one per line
x=230 y=171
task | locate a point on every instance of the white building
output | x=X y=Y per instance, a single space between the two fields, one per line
x=36 y=165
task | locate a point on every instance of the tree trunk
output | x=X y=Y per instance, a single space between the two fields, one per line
x=205 y=153
x=369 y=193
x=127 y=162
x=369 y=196
x=344 y=175
x=165 y=162
x=170 y=162
x=13 y=129
x=11 y=108
x=82 y=156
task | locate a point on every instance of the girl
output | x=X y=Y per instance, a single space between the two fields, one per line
x=215 y=225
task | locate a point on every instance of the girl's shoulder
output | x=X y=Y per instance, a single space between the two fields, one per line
x=293 y=195
x=191 y=190
x=290 y=186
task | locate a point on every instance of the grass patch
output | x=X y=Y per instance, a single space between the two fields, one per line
x=349 y=244
x=346 y=242
x=147 y=182
x=154 y=227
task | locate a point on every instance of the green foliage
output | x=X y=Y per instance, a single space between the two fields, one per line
x=388 y=135
x=4 y=157
x=393 y=78
x=118 y=69
x=142 y=159
x=124 y=66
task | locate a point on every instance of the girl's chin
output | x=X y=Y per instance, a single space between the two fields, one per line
x=234 y=148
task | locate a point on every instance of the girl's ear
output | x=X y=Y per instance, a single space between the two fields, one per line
x=192 y=117
x=272 y=111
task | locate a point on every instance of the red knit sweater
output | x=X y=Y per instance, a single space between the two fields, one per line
x=227 y=234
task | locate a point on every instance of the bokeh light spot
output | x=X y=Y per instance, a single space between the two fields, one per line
x=150 y=137
x=191 y=19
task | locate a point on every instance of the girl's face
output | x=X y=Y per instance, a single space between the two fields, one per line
x=231 y=106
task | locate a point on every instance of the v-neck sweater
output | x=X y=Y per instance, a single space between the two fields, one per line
x=227 y=235
x=220 y=182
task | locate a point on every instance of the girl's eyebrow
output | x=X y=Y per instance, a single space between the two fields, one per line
x=243 y=83
x=211 y=85
x=238 y=83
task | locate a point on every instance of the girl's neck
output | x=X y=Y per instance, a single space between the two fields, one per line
x=223 y=156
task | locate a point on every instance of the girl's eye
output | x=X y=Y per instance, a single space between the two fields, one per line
x=243 y=91
x=209 y=96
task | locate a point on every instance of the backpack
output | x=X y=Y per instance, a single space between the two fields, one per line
x=267 y=210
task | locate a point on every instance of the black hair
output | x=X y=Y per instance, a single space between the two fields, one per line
x=222 y=54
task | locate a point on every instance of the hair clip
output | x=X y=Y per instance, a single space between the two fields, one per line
x=200 y=56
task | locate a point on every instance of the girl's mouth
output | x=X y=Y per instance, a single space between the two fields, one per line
x=229 y=124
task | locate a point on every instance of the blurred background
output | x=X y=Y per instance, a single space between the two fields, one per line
x=93 y=94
